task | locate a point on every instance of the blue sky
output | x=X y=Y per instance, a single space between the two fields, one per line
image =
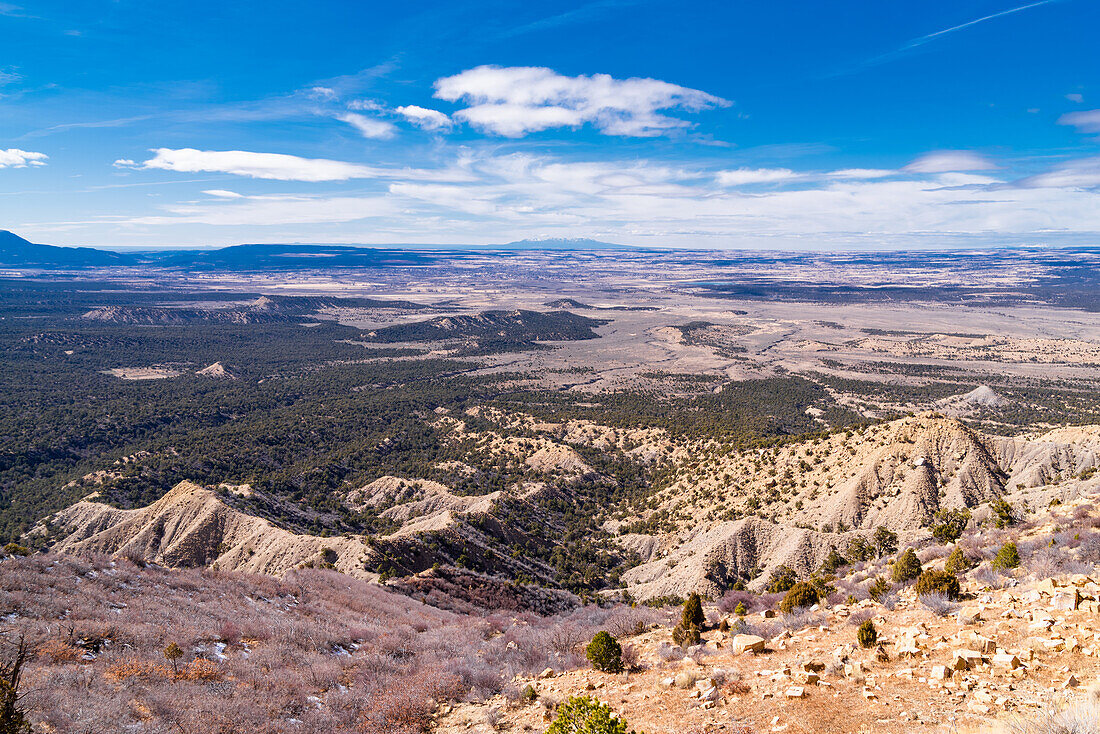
x=725 y=124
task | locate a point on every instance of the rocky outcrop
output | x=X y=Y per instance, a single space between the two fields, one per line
x=415 y=499
x=710 y=560
x=895 y=475
x=216 y=371
x=927 y=462
x=191 y=526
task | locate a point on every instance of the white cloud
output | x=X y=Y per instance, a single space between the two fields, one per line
x=323 y=93
x=946 y=161
x=281 y=167
x=861 y=173
x=368 y=127
x=1086 y=121
x=223 y=194
x=424 y=117
x=15 y=158
x=366 y=105
x=1075 y=97
x=513 y=101
x=1083 y=173
x=275 y=166
x=124 y=163
x=275 y=210
x=744 y=176
x=490 y=196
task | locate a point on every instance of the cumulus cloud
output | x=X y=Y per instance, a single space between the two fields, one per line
x=1075 y=97
x=514 y=101
x=744 y=176
x=1086 y=121
x=15 y=158
x=368 y=127
x=948 y=161
x=425 y=118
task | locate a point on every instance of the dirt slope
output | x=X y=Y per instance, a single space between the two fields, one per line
x=192 y=526
x=744 y=511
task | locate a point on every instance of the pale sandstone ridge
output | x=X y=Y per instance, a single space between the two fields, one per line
x=813 y=495
x=415 y=499
x=981 y=397
x=216 y=371
x=558 y=458
x=928 y=464
x=192 y=526
x=709 y=559
x=897 y=475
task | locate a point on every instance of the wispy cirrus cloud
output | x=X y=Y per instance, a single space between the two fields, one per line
x=948 y=161
x=962 y=26
x=369 y=127
x=514 y=101
x=861 y=173
x=1083 y=173
x=919 y=41
x=1086 y=121
x=585 y=13
x=14 y=11
x=274 y=211
x=746 y=176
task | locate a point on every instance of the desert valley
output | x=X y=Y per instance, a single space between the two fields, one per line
x=405 y=496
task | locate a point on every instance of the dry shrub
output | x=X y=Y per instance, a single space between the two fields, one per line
x=860 y=616
x=632 y=659
x=230 y=633
x=736 y=687
x=134 y=668
x=1082 y=717
x=939 y=604
x=378 y=661
x=59 y=651
x=629 y=622
x=670 y=653
x=201 y=669
x=397 y=710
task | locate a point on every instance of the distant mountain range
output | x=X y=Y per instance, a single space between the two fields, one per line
x=574 y=243
x=18 y=252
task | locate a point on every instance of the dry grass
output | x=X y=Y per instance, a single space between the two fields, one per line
x=314 y=651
